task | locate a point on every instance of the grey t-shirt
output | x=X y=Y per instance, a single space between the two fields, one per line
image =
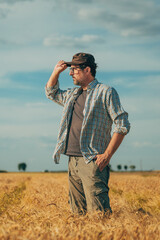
x=73 y=142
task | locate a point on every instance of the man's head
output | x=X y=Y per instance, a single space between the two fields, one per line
x=83 y=60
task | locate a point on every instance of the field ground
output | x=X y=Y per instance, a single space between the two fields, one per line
x=35 y=206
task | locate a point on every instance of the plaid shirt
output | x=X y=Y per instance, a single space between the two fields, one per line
x=102 y=108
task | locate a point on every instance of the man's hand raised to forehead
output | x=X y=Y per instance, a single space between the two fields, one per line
x=60 y=67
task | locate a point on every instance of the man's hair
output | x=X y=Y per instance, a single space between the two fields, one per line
x=93 y=68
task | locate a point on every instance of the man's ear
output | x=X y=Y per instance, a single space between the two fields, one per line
x=88 y=69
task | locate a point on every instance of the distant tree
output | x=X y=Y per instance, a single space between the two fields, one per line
x=22 y=166
x=119 y=167
x=125 y=167
x=133 y=167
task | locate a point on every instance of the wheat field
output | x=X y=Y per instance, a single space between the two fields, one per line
x=35 y=206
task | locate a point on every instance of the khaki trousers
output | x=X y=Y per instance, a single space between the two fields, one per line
x=88 y=187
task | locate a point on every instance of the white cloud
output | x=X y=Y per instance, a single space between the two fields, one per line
x=138 y=18
x=145 y=144
x=29 y=119
x=150 y=82
x=73 y=42
x=6 y=6
x=142 y=106
x=8 y=83
x=26 y=112
x=28 y=130
x=114 y=58
x=3 y=13
x=14 y=1
x=54 y=30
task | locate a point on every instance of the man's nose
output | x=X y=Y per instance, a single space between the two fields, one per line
x=71 y=73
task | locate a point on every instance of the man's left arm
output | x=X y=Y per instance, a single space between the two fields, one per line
x=102 y=160
x=122 y=126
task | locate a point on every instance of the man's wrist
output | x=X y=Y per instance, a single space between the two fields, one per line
x=55 y=74
x=107 y=155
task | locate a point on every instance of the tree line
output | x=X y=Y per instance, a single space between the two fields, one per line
x=22 y=166
x=120 y=167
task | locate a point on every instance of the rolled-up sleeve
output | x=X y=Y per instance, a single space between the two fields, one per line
x=56 y=94
x=117 y=113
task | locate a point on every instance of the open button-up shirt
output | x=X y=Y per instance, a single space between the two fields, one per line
x=102 y=108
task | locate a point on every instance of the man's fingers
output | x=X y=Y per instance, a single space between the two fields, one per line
x=60 y=66
x=101 y=162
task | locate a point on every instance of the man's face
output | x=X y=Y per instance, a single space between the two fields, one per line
x=78 y=75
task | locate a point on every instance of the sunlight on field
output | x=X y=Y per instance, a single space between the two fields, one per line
x=35 y=206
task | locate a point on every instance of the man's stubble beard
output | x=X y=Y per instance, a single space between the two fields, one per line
x=76 y=82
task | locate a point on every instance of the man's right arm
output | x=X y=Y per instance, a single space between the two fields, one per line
x=60 y=67
x=52 y=90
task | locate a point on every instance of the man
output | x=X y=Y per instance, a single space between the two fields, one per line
x=85 y=132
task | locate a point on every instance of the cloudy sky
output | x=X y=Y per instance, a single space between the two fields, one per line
x=124 y=37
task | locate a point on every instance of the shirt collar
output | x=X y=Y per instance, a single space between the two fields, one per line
x=92 y=84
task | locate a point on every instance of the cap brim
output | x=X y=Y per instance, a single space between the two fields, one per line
x=71 y=63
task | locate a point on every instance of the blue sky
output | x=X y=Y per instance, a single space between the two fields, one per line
x=124 y=37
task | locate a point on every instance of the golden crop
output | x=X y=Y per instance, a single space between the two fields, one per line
x=35 y=206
